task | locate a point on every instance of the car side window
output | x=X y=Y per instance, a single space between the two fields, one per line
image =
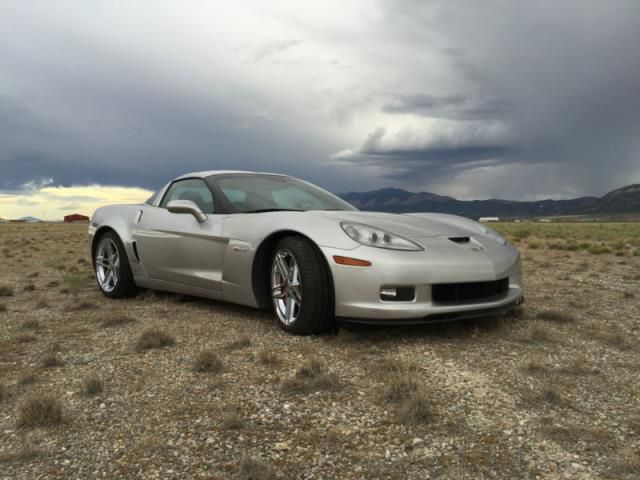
x=193 y=189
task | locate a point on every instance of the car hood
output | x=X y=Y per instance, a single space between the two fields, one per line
x=412 y=225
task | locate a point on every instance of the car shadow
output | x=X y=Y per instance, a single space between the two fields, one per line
x=350 y=332
x=441 y=331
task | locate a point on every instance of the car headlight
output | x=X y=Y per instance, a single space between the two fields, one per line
x=495 y=235
x=376 y=237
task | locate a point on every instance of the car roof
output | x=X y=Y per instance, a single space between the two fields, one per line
x=213 y=173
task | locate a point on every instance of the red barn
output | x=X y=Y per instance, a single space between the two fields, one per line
x=75 y=217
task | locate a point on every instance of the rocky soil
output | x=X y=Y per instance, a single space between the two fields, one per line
x=550 y=392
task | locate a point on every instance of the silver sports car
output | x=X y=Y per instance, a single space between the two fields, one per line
x=274 y=241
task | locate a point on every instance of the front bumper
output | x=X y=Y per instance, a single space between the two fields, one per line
x=357 y=289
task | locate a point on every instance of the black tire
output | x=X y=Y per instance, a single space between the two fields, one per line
x=125 y=286
x=316 y=314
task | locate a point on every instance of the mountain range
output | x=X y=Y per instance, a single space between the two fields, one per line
x=621 y=200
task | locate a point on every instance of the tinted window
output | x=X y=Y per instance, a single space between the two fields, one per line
x=264 y=192
x=193 y=189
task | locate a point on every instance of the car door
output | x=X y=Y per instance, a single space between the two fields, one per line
x=175 y=247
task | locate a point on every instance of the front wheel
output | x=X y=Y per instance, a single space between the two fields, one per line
x=113 y=272
x=300 y=287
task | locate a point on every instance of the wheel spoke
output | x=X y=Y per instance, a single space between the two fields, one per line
x=293 y=273
x=296 y=293
x=282 y=266
x=290 y=307
x=109 y=278
x=277 y=292
x=100 y=261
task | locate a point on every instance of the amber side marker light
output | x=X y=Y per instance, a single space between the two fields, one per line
x=353 y=262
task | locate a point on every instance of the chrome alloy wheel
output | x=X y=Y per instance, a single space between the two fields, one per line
x=286 y=288
x=107 y=265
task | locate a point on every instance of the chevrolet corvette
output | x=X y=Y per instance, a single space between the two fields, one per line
x=275 y=241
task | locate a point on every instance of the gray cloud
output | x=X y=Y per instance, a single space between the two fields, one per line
x=563 y=79
x=494 y=99
x=455 y=107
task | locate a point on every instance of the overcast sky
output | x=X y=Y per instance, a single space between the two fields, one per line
x=518 y=100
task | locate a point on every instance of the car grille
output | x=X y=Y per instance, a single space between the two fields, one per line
x=469 y=292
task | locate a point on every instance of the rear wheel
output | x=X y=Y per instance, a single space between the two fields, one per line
x=113 y=272
x=300 y=287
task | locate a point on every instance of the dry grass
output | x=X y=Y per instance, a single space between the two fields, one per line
x=627 y=464
x=417 y=409
x=25 y=338
x=207 y=361
x=74 y=282
x=25 y=453
x=154 y=338
x=568 y=435
x=399 y=388
x=117 y=321
x=92 y=385
x=42 y=303
x=311 y=369
x=4 y=392
x=29 y=287
x=312 y=376
x=536 y=333
x=534 y=367
x=254 y=469
x=3 y=307
x=389 y=367
x=242 y=342
x=555 y=316
x=611 y=337
x=551 y=394
x=51 y=359
x=6 y=291
x=407 y=397
x=79 y=306
x=28 y=378
x=40 y=411
x=232 y=420
x=30 y=324
x=269 y=357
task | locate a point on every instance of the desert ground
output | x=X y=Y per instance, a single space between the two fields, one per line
x=167 y=386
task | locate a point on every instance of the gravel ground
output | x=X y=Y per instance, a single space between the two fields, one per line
x=550 y=392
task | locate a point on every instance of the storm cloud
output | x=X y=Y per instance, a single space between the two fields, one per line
x=509 y=99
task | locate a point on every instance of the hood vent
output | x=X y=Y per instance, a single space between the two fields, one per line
x=460 y=240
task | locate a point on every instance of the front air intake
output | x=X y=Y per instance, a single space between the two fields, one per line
x=448 y=293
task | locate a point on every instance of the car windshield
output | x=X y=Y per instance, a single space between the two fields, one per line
x=260 y=193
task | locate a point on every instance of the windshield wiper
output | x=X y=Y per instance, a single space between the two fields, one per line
x=263 y=210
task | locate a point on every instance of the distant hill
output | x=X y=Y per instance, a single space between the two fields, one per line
x=30 y=219
x=622 y=200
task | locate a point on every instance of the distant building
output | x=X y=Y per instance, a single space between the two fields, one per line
x=75 y=217
x=489 y=219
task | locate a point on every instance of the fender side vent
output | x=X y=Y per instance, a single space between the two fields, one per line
x=135 y=251
x=460 y=239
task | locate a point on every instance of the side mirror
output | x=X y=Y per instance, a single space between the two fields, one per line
x=187 y=206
